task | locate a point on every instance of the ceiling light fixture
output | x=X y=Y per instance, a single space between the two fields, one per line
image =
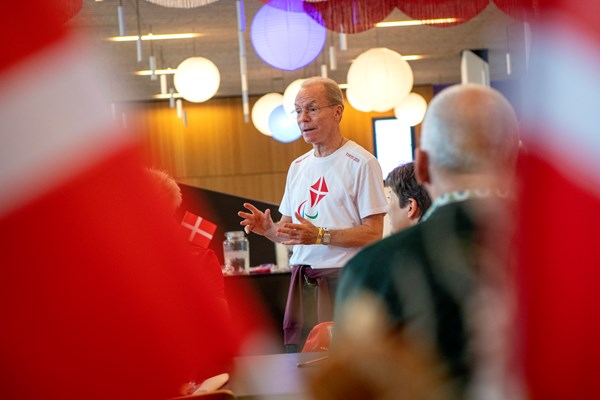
x=414 y=57
x=166 y=36
x=167 y=96
x=147 y=72
x=389 y=24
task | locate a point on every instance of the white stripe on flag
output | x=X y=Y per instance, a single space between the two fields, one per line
x=55 y=121
x=195 y=229
x=564 y=100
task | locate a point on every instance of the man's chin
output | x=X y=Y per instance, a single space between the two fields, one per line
x=307 y=138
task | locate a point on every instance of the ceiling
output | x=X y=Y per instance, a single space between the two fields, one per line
x=217 y=22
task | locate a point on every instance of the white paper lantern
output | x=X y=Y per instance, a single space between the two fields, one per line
x=411 y=109
x=262 y=109
x=197 y=79
x=355 y=103
x=379 y=79
x=284 y=128
x=289 y=95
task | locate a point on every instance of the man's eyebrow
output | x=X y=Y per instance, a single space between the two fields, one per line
x=311 y=103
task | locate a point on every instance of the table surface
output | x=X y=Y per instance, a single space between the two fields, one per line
x=273 y=376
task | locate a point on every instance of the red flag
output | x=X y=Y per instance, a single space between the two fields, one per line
x=96 y=300
x=197 y=230
x=559 y=222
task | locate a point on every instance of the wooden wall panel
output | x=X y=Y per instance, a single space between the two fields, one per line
x=218 y=151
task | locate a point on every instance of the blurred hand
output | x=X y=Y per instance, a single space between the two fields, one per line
x=303 y=233
x=367 y=360
x=256 y=221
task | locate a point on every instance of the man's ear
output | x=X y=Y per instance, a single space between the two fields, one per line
x=422 y=166
x=413 y=212
x=339 y=111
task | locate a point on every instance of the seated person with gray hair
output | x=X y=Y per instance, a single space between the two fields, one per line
x=425 y=279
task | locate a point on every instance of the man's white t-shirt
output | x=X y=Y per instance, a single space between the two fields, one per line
x=333 y=192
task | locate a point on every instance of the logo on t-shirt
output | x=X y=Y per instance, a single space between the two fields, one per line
x=317 y=191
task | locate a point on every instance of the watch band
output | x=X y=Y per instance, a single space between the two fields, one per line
x=319 y=236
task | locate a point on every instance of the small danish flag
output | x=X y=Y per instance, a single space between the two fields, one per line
x=200 y=230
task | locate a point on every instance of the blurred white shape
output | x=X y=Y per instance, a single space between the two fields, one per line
x=289 y=96
x=197 y=79
x=379 y=78
x=262 y=109
x=411 y=109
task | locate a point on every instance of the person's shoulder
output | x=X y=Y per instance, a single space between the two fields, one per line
x=302 y=158
x=356 y=153
x=386 y=253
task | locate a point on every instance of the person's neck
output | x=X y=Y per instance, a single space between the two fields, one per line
x=325 y=149
x=448 y=184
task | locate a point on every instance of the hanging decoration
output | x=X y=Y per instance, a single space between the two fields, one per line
x=197 y=79
x=283 y=128
x=523 y=10
x=424 y=10
x=138 y=44
x=241 y=18
x=411 y=109
x=289 y=96
x=121 y=19
x=287 y=5
x=355 y=103
x=182 y=3
x=379 y=78
x=349 y=16
x=286 y=40
x=262 y=109
x=353 y=16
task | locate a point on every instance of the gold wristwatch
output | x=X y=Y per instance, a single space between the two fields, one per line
x=326 y=236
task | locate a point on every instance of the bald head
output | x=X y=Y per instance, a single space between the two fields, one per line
x=470 y=129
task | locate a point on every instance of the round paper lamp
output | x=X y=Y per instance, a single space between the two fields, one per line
x=197 y=79
x=354 y=102
x=379 y=78
x=262 y=109
x=289 y=95
x=284 y=128
x=411 y=109
x=284 y=39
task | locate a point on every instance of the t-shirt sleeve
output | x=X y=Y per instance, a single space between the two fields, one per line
x=371 y=196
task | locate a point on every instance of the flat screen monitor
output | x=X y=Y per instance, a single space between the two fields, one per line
x=394 y=143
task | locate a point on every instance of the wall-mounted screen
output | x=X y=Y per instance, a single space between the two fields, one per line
x=394 y=143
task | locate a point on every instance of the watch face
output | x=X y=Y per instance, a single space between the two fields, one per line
x=326 y=236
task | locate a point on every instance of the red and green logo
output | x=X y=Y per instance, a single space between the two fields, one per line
x=318 y=190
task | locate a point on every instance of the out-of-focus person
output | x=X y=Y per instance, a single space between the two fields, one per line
x=333 y=205
x=426 y=276
x=408 y=199
x=99 y=297
x=209 y=268
x=165 y=187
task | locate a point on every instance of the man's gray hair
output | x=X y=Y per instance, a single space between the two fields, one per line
x=332 y=89
x=468 y=127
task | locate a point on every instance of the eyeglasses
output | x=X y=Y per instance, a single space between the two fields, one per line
x=312 y=111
